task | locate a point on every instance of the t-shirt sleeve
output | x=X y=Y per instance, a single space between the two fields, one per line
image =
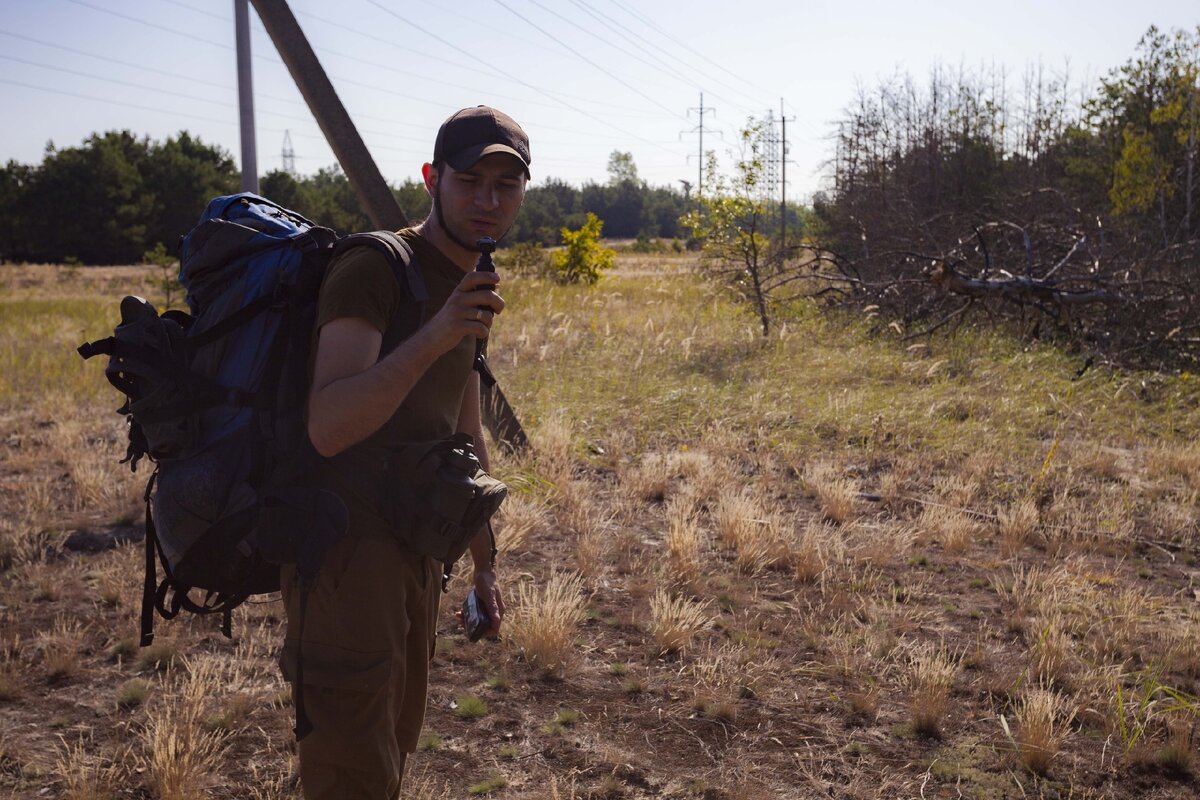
x=359 y=284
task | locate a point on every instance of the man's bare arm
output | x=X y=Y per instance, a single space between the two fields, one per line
x=354 y=392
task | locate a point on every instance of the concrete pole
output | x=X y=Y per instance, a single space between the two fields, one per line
x=241 y=17
x=368 y=182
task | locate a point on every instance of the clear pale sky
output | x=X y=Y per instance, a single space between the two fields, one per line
x=584 y=77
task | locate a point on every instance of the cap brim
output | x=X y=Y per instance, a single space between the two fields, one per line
x=465 y=159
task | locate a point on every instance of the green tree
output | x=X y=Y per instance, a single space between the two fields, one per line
x=91 y=202
x=729 y=227
x=621 y=168
x=182 y=174
x=583 y=260
x=14 y=235
x=1148 y=114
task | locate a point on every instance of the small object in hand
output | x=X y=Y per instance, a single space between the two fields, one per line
x=475 y=617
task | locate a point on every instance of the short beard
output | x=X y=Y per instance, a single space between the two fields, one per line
x=441 y=219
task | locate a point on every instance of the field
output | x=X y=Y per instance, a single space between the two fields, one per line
x=828 y=564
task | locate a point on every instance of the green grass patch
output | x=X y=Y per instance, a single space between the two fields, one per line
x=470 y=707
x=490 y=785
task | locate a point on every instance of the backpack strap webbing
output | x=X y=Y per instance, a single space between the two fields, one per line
x=150 y=585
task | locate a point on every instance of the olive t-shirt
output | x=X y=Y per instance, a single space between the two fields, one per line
x=362 y=284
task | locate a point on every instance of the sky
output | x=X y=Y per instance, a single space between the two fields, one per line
x=583 y=77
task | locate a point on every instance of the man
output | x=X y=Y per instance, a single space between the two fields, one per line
x=370 y=621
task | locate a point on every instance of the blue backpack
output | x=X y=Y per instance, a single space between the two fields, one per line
x=216 y=399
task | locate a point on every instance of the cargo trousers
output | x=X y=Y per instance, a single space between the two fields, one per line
x=369 y=633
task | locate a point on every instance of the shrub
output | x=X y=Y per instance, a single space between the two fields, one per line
x=583 y=260
x=523 y=258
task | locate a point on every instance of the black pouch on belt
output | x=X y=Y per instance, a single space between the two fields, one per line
x=437 y=497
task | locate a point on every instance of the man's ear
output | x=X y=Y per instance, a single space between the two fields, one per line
x=430 y=174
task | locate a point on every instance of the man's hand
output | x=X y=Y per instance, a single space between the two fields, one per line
x=487 y=588
x=468 y=311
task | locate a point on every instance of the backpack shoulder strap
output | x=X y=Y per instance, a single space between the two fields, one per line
x=404 y=265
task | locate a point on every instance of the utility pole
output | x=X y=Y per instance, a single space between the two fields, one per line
x=783 y=159
x=368 y=182
x=700 y=128
x=241 y=21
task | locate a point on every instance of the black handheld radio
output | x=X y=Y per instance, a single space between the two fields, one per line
x=487 y=246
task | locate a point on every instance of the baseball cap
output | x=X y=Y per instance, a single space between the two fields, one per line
x=472 y=133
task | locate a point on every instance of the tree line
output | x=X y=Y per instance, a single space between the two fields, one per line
x=116 y=196
x=1070 y=209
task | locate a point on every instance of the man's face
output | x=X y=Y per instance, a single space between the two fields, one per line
x=483 y=200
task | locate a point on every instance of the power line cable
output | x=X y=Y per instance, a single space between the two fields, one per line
x=666 y=68
x=141 y=86
x=661 y=30
x=167 y=73
x=408 y=51
x=214 y=84
x=622 y=30
x=140 y=21
x=203 y=11
x=363 y=84
x=159 y=110
x=110 y=101
x=267 y=113
x=580 y=55
x=188 y=78
x=511 y=76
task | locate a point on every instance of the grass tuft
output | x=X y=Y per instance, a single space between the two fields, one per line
x=1043 y=722
x=543 y=621
x=675 y=621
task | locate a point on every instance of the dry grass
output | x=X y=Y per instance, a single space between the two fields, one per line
x=180 y=754
x=60 y=649
x=85 y=775
x=930 y=676
x=736 y=512
x=675 y=621
x=519 y=518
x=1051 y=652
x=765 y=544
x=685 y=543
x=835 y=495
x=554 y=448
x=591 y=526
x=1043 y=723
x=650 y=479
x=1016 y=524
x=950 y=527
x=542 y=622
x=812 y=552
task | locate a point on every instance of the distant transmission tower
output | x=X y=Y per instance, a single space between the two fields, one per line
x=288 y=155
x=770 y=157
x=700 y=156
